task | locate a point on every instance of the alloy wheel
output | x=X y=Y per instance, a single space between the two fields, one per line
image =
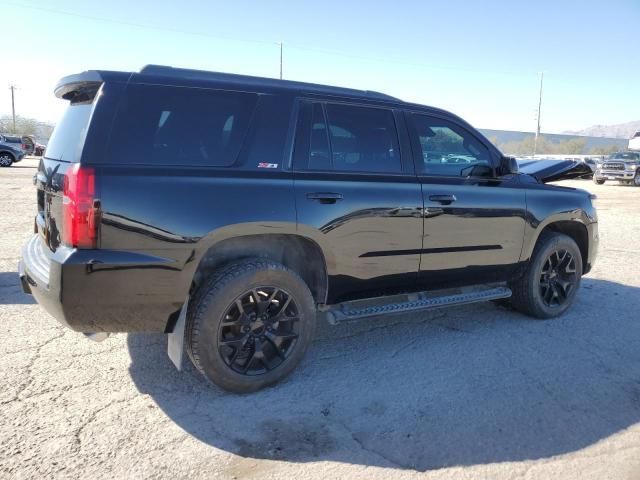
x=259 y=331
x=558 y=278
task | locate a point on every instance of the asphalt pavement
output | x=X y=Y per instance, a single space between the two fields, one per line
x=470 y=392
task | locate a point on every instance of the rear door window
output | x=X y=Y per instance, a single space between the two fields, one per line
x=362 y=139
x=160 y=125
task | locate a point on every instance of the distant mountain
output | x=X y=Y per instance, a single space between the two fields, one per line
x=502 y=137
x=621 y=130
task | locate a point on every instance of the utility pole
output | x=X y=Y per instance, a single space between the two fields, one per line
x=281 y=60
x=535 y=142
x=13 y=107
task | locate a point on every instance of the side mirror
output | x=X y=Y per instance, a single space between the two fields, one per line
x=508 y=166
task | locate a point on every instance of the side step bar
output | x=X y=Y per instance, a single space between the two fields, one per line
x=348 y=311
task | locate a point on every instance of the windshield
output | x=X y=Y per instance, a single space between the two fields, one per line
x=626 y=156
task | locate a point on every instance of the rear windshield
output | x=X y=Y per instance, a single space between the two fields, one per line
x=160 y=125
x=68 y=136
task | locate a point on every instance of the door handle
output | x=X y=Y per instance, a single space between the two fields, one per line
x=443 y=199
x=325 y=197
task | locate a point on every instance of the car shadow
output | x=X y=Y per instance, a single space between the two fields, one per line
x=11 y=290
x=464 y=386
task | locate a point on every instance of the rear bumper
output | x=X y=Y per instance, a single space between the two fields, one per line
x=102 y=290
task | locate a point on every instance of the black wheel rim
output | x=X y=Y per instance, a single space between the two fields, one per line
x=259 y=331
x=558 y=278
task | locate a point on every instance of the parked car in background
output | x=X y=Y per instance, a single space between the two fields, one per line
x=9 y=152
x=39 y=150
x=28 y=144
x=13 y=140
x=621 y=166
x=232 y=211
x=634 y=141
x=31 y=146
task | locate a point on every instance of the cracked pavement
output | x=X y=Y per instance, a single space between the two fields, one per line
x=470 y=392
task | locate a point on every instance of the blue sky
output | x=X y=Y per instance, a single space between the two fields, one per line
x=479 y=59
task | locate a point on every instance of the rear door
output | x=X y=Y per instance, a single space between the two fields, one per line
x=473 y=220
x=357 y=196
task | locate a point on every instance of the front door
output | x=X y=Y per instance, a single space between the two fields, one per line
x=474 y=221
x=357 y=197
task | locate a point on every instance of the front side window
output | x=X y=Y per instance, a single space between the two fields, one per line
x=449 y=150
x=361 y=139
x=160 y=125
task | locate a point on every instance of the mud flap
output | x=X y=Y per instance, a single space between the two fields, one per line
x=175 y=341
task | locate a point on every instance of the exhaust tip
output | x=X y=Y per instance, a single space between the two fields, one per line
x=97 y=336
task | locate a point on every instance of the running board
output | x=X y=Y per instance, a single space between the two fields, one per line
x=344 y=312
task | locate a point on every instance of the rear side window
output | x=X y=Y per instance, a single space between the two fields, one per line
x=363 y=139
x=158 y=125
x=338 y=137
x=319 y=153
x=68 y=137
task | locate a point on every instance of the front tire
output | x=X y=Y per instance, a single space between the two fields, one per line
x=598 y=181
x=549 y=286
x=636 y=179
x=250 y=325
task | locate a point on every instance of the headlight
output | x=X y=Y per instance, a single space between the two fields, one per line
x=631 y=166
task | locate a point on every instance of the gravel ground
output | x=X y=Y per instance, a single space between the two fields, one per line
x=468 y=392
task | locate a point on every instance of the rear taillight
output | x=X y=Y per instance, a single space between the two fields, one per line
x=81 y=209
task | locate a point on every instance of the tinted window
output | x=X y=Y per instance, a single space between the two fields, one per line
x=180 y=126
x=68 y=136
x=449 y=150
x=319 y=155
x=363 y=139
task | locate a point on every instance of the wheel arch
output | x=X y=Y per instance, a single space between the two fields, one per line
x=9 y=152
x=574 y=229
x=299 y=253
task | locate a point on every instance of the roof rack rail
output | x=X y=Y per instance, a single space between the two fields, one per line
x=167 y=71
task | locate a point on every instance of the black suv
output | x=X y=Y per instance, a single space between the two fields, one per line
x=231 y=211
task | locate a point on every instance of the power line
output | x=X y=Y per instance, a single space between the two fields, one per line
x=296 y=46
x=132 y=24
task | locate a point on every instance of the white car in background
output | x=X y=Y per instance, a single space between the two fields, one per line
x=634 y=142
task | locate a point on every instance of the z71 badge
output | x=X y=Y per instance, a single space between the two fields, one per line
x=267 y=165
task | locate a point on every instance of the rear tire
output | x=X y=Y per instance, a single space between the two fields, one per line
x=598 y=181
x=548 y=287
x=249 y=326
x=6 y=159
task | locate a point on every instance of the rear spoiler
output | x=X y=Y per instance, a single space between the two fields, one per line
x=82 y=87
